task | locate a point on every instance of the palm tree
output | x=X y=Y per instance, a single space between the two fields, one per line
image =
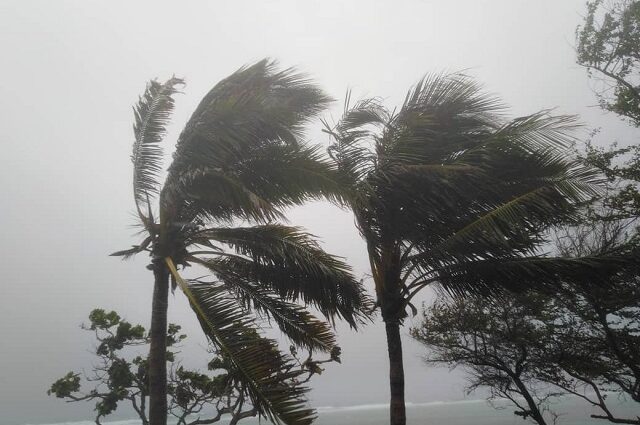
x=240 y=157
x=447 y=191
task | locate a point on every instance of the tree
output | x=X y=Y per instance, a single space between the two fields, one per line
x=621 y=166
x=608 y=45
x=597 y=343
x=240 y=156
x=536 y=347
x=121 y=376
x=500 y=343
x=447 y=191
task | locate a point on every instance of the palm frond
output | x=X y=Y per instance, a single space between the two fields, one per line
x=135 y=249
x=300 y=326
x=540 y=131
x=257 y=104
x=291 y=263
x=269 y=377
x=492 y=276
x=442 y=114
x=515 y=225
x=352 y=135
x=214 y=194
x=257 y=186
x=152 y=115
x=454 y=94
x=290 y=174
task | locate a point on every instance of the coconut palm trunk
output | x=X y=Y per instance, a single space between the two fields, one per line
x=397 y=411
x=391 y=305
x=158 y=348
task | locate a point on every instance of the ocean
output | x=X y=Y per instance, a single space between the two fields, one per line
x=467 y=412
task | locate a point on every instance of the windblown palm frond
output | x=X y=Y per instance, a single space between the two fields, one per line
x=353 y=135
x=503 y=217
x=216 y=195
x=255 y=106
x=301 y=327
x=286 y=174
x=269 y=375
x=152 y=114
x=519 y=274
x=255 y=115
x=443 y=115
x=290 y=263
x=269 y=178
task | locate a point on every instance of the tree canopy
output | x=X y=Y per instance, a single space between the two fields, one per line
x=608 y=45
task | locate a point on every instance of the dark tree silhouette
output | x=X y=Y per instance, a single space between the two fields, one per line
x=240 y=156
x=447 y=191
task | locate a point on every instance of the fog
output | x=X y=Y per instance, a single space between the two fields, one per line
x=71 y=70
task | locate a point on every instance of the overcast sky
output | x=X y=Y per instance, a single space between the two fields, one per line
x=70 y=72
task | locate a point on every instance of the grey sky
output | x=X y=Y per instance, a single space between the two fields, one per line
x=71 y=70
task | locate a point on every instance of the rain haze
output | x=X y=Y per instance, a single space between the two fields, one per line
x=71 y=71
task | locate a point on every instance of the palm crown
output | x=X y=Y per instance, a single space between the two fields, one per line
x=241 y=156
x=448 y=191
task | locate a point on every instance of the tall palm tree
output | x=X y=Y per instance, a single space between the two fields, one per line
x=447 y=191
x=240 y=157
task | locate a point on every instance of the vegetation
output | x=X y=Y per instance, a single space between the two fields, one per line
x=621 y=166
x=121 y=376
x=447 y=191
x=501 y=343
x=531 y=349
x=534 y=347
x=240 y=157
x=608 y=45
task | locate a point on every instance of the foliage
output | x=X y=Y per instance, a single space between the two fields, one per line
x=584 y=342
x=602 y=317
x=500 y=343
x=446 y=190
x=621 y=167
x=121 y=376
x=241 y=156
x=608 y=45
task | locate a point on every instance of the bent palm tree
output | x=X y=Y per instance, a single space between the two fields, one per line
x=446 y=191
x=240 y=156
